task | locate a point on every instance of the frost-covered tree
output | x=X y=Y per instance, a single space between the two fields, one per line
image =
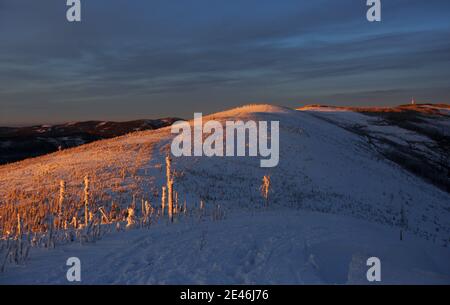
x=265 y=189
x=131 y=217
x=163 y=200
x=86 y=201
x=169 y=187
x=19 y=226
x=62 y=192
x=170 y=199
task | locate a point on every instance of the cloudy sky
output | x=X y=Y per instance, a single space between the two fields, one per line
x=131 y=59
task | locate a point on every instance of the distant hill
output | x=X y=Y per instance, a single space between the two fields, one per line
x=24 y=142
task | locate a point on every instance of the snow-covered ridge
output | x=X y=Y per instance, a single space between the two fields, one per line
x=327 y=176
x=437 y=109
x=416 y=136
x=317 y=160
x=254 y=108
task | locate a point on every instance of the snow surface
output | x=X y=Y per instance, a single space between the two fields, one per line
x=335 y=202
x=275 y=247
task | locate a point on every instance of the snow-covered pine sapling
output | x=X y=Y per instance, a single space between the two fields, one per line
x=163 y=200
x=74 y=222
x=130 y=217
x=176 y=202
x=170 y=199
x=147 y=212
x=19 y=227
x=86 y=201
x=168 y=168
x=62 y=191
x=265 y=189
x=148 y=209
x=201 y=212
x=169 y=187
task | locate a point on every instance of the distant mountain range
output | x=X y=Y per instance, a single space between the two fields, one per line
x=24 y=142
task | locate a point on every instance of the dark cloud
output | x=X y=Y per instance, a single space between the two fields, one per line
x=152 y=58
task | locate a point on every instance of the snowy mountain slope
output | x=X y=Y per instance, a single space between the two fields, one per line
x=323 y=168
x=417 y=137
x=20 y=143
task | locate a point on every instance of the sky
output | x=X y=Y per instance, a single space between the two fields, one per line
x=148 y=59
